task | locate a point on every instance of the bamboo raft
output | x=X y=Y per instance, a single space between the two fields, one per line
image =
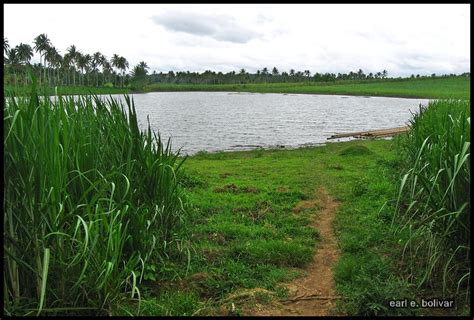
x=372 y=133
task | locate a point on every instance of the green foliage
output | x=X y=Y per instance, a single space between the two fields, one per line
x=355 y=151
x=89 y=202
x=369 y=283
x=434 y=205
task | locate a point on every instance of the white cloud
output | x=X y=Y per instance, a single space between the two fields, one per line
x=403 y=39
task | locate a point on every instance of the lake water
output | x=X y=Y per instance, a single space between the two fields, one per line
x=224 y=121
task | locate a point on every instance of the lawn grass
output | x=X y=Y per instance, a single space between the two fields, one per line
x=245 y=233
x=439 y=87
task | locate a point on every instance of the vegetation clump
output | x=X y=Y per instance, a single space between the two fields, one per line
x=356 y=150
x=434 y=205
x=91 y=203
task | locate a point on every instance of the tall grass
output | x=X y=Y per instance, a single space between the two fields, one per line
x=434 y=203
x=89 y=201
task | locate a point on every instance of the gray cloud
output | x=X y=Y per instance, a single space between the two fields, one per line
x=218 y=27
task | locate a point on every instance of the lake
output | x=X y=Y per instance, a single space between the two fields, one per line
x=227 y=121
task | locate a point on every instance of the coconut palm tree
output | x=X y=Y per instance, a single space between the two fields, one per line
x=275 y=71
x=140 y=70
x=50 y=58
x=6 y=46
x=57 y=64
x=115 y=61
x=81 y=62
x=72 y=53
x=41 y=45
x=107 y=70
x=67 y=65
x=121 y=64
x=25 y=53
x=95 y=63
x=123 y=67
x=13 y=61
x=105 y=65
x=87 y=66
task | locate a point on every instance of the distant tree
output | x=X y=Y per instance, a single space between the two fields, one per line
x=72 y=58
x=13 y=62
x=123 y=66
x=384 y=74
x=96 y=62
x=140 y=70
x=275 y=71
x=41 y=45
x=6 y=46
x=25 y=53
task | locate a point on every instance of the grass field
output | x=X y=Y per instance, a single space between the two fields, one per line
x=451 y=87
x=77 y=90
x=245 y=233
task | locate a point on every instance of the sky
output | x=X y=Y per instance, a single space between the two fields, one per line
x=404 y=39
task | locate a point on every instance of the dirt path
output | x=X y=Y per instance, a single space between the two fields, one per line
x=313 y=294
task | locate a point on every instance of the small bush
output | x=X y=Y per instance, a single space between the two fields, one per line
x=355 y=151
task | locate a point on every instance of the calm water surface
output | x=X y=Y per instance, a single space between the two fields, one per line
x=223 y=121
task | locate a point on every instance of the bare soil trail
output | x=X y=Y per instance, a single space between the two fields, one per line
x=313 y=294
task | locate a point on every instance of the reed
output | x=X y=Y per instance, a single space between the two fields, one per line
x=433 y=209
x=89 y=201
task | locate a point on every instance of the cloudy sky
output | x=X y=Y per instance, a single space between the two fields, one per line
x=404 y=39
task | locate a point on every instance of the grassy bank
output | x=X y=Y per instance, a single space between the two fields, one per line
x=246 y=233
x=77 y=90
x=450 y=87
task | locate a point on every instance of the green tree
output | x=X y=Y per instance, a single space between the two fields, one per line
x=140 y=70
x=72 y=57
x=13 y=62
x=6 y=46
x=25 y=53
x=95 y=64
x=41 y=45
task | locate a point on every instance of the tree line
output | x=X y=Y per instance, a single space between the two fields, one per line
x=72 y=68
x=77 y=68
